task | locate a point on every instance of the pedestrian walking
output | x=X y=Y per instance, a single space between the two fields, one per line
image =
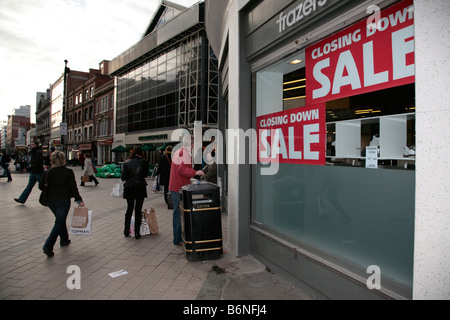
x=164 y=172
x=62 y=187
x=4 y=162
x=81 y=159
x=36 y=169
x=89 y=169
x=180 y=174
x=134 y=172
x=47 y=158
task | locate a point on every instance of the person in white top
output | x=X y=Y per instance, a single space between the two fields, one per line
x=89 y=168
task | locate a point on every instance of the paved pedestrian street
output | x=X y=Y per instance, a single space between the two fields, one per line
x=156 y=269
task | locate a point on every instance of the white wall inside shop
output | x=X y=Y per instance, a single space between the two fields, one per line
x=432 y=222
x=270 y=88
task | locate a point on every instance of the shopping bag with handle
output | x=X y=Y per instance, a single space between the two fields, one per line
x=81 y=221
x=150 y=216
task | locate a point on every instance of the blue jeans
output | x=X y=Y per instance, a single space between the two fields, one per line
x=33 y=178
x=60 y=209
x=176 y=218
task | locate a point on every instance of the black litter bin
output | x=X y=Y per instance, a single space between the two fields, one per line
x=201 y=221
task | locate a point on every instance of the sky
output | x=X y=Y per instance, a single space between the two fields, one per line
x=36 y=36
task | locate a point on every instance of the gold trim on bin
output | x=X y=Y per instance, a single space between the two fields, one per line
x=202 y=209
x=201 y=241
x=202 y=250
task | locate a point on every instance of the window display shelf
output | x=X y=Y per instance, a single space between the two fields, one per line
x=391 y=134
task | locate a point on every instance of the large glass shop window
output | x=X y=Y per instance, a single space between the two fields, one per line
x=354 y=208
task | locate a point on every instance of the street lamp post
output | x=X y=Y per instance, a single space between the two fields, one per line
x=66 y=71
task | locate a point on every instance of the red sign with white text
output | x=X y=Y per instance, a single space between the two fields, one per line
x=371 y=55
x=293 y=136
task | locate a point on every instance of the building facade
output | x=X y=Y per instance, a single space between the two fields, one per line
x=67 y=82
x=104 y=119
x=166 y=81
x=81 y=112
x=3 y=133
x=18 y=124
x=43 y=118
x=336 y=92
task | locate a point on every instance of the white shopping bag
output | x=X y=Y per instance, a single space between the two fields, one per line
x=82 y=231
x=117 y=191
x=132 y=226
x=143 y=230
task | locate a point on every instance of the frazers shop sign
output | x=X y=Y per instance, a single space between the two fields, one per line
x=371 y=55
x=297 y=14
x=296 y=136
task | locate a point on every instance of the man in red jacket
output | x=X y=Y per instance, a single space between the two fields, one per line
x=181 y=173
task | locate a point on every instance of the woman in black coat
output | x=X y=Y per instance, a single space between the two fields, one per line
x=164 y=171
x=61 y=188
x=134 y=172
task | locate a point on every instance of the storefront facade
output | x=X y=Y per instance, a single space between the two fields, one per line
x=166 y=81
x=332 y=89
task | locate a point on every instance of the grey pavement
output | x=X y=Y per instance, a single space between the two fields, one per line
x=157 y=270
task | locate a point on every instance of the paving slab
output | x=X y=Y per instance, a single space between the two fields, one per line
x=156 y=269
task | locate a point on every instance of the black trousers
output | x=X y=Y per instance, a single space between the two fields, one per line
x=134 y=204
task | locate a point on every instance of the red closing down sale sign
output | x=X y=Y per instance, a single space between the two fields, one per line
x=296 y=136
x=374 y=54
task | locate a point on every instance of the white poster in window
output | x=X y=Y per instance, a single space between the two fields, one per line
x=372 y=157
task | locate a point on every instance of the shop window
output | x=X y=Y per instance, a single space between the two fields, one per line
x=294 y=89
x=340 y=209
x=384 y=119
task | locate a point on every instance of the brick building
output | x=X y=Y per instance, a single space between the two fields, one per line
x=104 y=118
x=82 y=106
x=18 y=122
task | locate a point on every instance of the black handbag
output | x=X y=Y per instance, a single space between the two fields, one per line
x=43 y=198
